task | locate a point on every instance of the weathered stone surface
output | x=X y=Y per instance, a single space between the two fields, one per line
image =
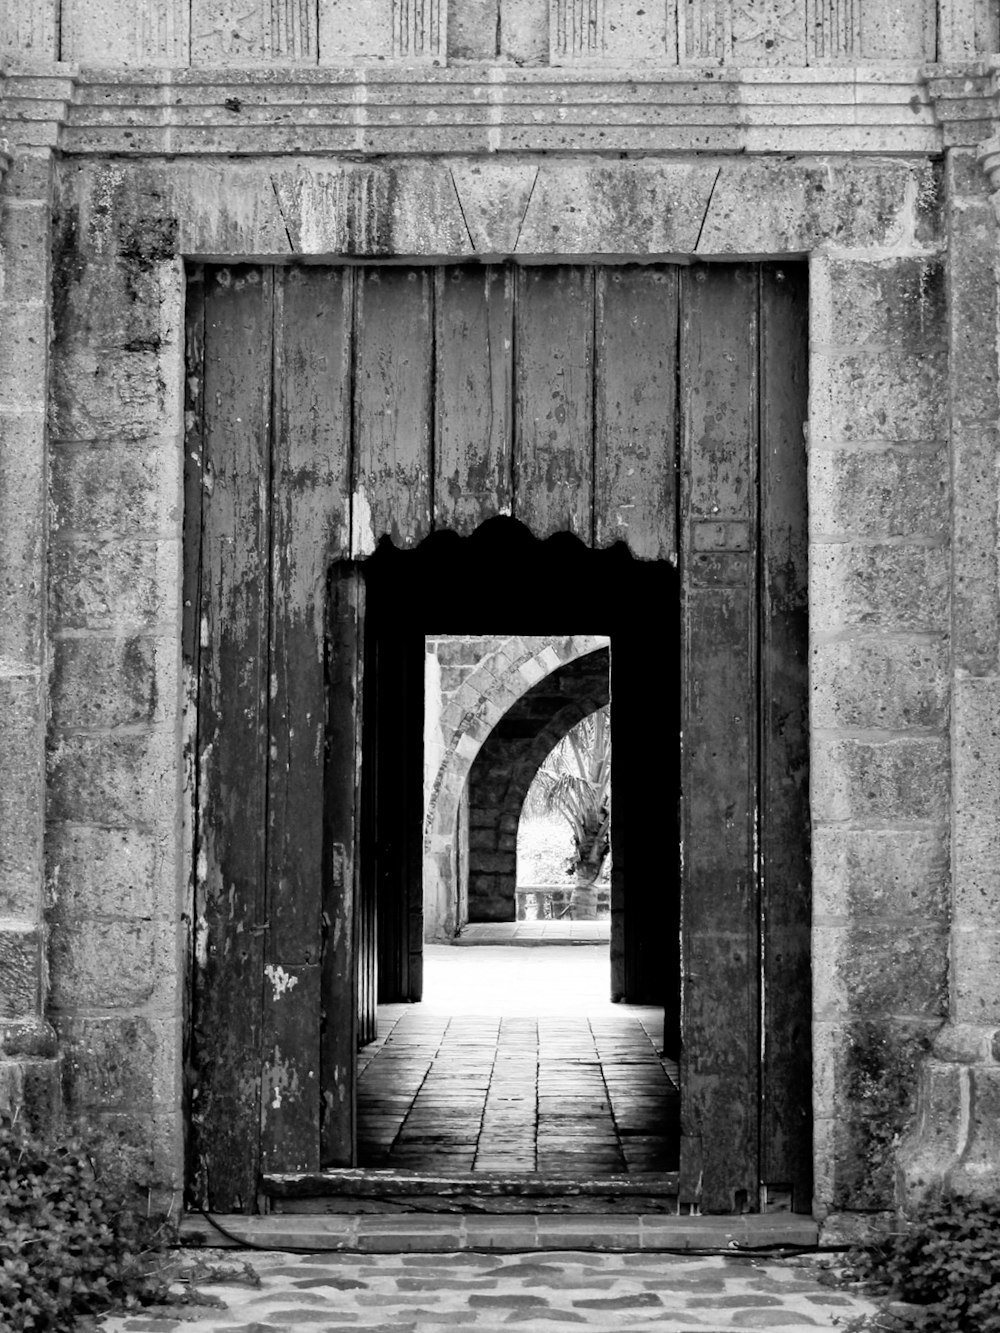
x=878 y=395
x=114 y=584
x=409 y=208
x=494 y=197
x=524 y=31
x=891 y=587
x=886 y=681
x=144 y=963
x=122 y=33
x=641 y=207
x=118 y=1063
x=116 y=489
x=870 y=1067
x=976 y=573
x=976 y=804
x=20 y=973
x=881 y=873
x=114 y=779
x=24 y=327
x=973 y=312
x=766 y=207
x=101 y=395
x=976 y=981
x=136 y=1148
x=898 y=29
x=897 y=302
x=892 y=492
x=109 y=682
x=123 y=872
x=873 y=781
x=22 y=527
x=881 y=968
x=473 y=29
x=21 y=797
x=24 y=238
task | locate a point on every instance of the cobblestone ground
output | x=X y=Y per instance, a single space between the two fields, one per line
x=431 y=1293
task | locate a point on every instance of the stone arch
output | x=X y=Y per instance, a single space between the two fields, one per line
x=505 y=767
x=453 y=739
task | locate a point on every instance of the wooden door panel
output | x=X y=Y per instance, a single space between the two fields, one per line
x=228 y=538
x=309 y=487
x=394 y=339
x=474 y=333
x=721 y=981
x=347 y=985
x=553 y=341
x=635 y=412
x=786 y=1156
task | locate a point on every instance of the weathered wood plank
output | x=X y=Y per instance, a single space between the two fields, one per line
x=786 y=1138
x=635 y=435
x=232 y=739
x=309 y=528
x=719 y=1062
x=474 y=312
x=340 y=969
x=553 y=377
x=392 y=407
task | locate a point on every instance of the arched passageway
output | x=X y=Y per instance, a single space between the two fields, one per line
x=504 y=769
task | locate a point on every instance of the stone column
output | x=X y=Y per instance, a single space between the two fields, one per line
x=955 y=1142
x=30 y=114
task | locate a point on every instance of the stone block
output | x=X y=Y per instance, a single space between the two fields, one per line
x=871 y=492
x=898 y=30
x=762 y=206
x=22 y=797
x=97 y=584
x=24 y=339
x=898 y=303
x=127 y=1063
x=878 y=395
x=473 y=28
x=890 y=682
x=973 y=313
x=24 y=244
x=111 y=302
x=20 y=973
x=22 y=529
x=874 y=1067
x=524 y=31
x=878 y=968
x=112 y=964
x=118 y=780
x=886 y=587
x=110 y=872
x=881 y=873
x=136 y=1151
x=120 y=33
x=976 y=802
x=30 y=30
x=645 y=207
x=976 y=977
x=874 y=782
x=110 y=682
x=976 y=574
x=107 y=395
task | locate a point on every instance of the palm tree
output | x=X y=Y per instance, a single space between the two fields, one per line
x=575 y=782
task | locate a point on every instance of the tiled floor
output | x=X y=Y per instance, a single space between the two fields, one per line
x=517 y=1062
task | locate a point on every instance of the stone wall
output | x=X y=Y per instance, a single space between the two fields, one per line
x=137 y=147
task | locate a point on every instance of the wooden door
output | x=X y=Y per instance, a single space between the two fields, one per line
x=332 y=406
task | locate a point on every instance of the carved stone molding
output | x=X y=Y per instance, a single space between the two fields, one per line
x=6 y=158
x=988 y=153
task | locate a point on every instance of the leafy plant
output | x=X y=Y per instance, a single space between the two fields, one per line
x=945 y=1265
x=575 y=782
x=69 y=1245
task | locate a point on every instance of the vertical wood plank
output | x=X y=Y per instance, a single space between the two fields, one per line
x=393 y=407
x=309 y=529
x=232 y=740
x=719 y=1065
x=554 y=336
x=340 y=969
x=635 y=410
x=474 y=313
x=786 y=1138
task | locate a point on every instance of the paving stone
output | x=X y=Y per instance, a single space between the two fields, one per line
x=640 y=1300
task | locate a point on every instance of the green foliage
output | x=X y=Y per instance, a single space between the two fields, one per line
x=946 y=1264
x=69 y=1245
